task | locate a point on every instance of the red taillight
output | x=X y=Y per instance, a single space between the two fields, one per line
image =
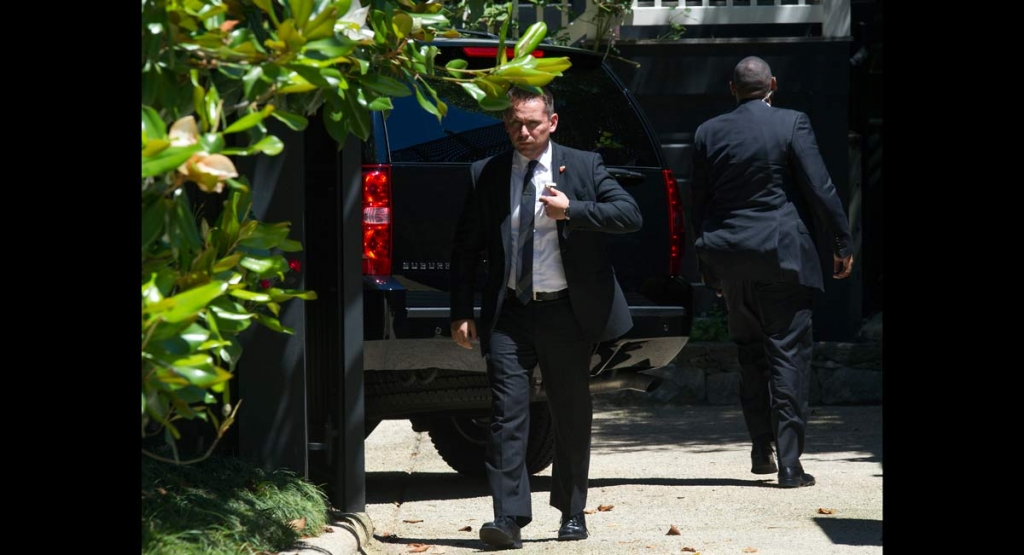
x=492 y=52
x=676 y=225
x=377 y=220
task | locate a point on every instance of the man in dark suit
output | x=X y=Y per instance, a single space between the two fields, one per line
x=759 y=187
x=539 y=214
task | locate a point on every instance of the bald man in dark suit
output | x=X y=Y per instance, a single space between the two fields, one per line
x=759 y=186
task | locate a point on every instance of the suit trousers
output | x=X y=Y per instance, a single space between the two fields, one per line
x=544 y=333
x=770 y=322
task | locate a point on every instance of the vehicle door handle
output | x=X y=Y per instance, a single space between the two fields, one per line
x=626 y=178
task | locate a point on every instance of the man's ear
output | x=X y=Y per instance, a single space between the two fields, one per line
x=732 y=88
x=774 y=84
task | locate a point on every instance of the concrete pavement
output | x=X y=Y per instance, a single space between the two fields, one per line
x=655 y=468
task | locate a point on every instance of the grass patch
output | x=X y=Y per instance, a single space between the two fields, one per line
x=225 y=505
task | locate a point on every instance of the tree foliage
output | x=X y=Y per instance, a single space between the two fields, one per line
x=214 y=73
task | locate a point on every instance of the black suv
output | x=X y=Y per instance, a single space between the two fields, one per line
x=415 y=177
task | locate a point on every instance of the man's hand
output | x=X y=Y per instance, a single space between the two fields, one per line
x=555 y=203
x=463 y=331
x=841 y=267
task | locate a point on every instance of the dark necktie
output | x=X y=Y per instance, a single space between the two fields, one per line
x=524 y=282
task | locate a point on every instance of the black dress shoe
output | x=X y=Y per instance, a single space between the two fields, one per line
x=503 y=533
x=573 y=528
x=794 y=477
x=762 y=458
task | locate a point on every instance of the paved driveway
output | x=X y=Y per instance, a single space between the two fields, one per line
x=655 y=469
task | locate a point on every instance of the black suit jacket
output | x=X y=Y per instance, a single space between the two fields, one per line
x=760 y=190
x=597 y=204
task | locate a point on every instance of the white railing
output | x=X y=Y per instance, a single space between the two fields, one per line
x=833 y=15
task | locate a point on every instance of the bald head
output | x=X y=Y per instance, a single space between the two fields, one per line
x=751 y=78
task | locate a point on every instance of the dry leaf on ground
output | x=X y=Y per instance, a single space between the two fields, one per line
x=466 y=529
x=418 y=547
x=413 y=520
x=750 y=550
x=673 y=531
x=298 y=524
x=606 y=507
x=589 y=511
x=161 y=491
x=822 y=511
x=328 y=530
x=689 y=550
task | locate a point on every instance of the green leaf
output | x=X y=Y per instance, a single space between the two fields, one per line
x=153 y=221
x=385 y=85
x=212 y=112
x=295 y=122
x=301 y=9
x=492 y=104
x=265 y=236
x=474 y=91
x=360 y=124
x=195 y=335
x=334 y=120
x=247 y=121
x=153 y=127
x=426 y=105
x=270 y=145
x=168 y=159
x=191 y=394
x=272 y=323
x=332 y=47
x=227 y=263
x=182 y=228
x=311 y=74
x=187 y=304
x=402 y=24
x=247 y=295
x=528 y=42
x=261 y=266
x=525 y=76
x=204 y=377
x=378 y=22
x=250 y=79
x=281 y=295
x=212 y=143
x=225 y=314
x=455 y=65
x=429 y=53
x=553 y=65
x=380 y=104
x=294 y=246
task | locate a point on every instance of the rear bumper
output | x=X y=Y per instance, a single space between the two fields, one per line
x=404 y=335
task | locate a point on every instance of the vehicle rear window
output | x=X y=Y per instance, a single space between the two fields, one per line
x=593 y=112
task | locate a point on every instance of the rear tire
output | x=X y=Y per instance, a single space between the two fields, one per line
x=461 y=441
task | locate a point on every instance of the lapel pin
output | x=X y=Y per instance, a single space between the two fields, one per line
x=561 y=169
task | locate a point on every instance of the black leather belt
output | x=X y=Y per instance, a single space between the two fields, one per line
x=539 y=296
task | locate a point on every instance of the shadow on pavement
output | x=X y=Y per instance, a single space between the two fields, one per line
x=830 y=428
x=389 y=487
x=851 y=531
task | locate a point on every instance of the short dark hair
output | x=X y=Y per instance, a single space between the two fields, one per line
x=752 y=77
x=517 y=95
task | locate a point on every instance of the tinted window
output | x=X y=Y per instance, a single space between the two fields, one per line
x=593 y=113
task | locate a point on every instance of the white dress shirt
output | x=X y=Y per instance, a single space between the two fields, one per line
x=548 y=274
